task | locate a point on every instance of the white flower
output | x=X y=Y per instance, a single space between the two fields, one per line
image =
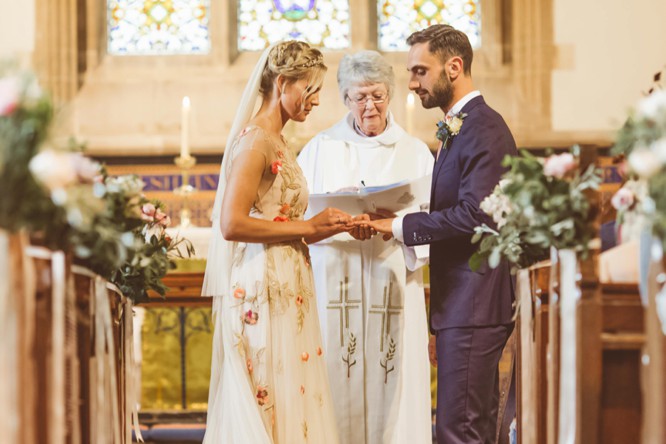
x=503 y=183
x=559 y=165
x=644 y=162
x=623 y=199
x=53 y=169
x=652 y=105
x=10 y=94
x=454 y=125
x=659 y=149
x=497 y=205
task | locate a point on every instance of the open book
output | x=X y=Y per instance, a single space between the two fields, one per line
x=393 y=197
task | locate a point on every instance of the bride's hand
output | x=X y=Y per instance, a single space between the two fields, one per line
x=331 y=221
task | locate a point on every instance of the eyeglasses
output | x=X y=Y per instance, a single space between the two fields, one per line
x=361 y=101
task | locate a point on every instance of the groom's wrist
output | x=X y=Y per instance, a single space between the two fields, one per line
x=396 y=228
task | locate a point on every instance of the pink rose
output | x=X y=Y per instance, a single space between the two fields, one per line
x=10 y=95
x=280 y=219
x=559 y=165
x=623 y=200
x=148 y=212
x=86 y=169
x=165 y=222
x=159 y=215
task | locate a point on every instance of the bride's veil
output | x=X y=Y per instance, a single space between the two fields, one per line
x=217 y=283
x=218 y=265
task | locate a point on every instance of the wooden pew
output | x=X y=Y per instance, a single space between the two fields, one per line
x=654 y=362
x=610 y=325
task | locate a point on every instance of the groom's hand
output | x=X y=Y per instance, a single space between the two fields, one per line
x=432 y=350
x=383 y=226
x=363 y=231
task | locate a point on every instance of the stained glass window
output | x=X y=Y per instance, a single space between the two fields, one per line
x=323 y=23
x=144 y=27
x=399 y=18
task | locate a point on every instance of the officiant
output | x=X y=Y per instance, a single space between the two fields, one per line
x=370 y=293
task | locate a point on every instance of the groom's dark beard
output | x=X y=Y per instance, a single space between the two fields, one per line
x=442 y=94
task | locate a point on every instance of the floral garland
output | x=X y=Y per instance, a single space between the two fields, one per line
x=642 y=140
x=67 y=202
x=538 y=204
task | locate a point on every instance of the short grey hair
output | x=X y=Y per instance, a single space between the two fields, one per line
x=363 y=68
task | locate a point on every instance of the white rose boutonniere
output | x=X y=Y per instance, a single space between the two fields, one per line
x=448 y=130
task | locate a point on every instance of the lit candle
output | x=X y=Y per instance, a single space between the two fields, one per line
x=185 y=129
x=409 y=113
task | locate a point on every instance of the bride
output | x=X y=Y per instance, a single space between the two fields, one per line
x=268 y=378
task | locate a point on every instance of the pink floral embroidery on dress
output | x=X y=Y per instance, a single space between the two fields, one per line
x=250 y=367
x=276 y=166
x=299 y=300
x=239 y=293
x=284 y=209
x=262 y=395
x=305 y=356
x=251 y=317
x=319 y=351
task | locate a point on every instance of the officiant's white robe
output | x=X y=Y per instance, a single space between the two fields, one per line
x=371 y=306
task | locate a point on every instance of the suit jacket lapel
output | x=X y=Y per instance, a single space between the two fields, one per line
x=445 y=151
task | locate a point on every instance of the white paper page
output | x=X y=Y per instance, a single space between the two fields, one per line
x=394 y=197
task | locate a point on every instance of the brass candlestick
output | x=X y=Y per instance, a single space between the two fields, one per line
x=185 y=189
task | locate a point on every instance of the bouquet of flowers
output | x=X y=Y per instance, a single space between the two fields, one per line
x=538 y=204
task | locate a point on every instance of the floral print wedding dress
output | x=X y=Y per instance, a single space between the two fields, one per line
x=268 y=380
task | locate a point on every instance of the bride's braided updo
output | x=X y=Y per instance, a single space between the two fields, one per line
x=294 y=60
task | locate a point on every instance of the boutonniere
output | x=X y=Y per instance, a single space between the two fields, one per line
x=448 y=130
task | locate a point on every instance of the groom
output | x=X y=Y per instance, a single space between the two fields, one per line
x=470 y=311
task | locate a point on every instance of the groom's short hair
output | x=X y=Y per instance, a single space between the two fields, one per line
x=445 y=41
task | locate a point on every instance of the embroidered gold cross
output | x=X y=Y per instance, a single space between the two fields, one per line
x=386 y=310
x=344 y=304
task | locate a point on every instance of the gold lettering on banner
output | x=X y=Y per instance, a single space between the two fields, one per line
x=344 y=304
x=386 y=310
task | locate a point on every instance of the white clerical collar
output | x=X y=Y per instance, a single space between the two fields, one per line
x=458 y=106
x=345 y=130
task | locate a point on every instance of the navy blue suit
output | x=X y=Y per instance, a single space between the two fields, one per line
x=470 y=311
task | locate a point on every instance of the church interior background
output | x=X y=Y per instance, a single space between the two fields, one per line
x=140 y=82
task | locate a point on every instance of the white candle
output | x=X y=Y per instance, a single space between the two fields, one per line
x=409 y=113
x=185 y=129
